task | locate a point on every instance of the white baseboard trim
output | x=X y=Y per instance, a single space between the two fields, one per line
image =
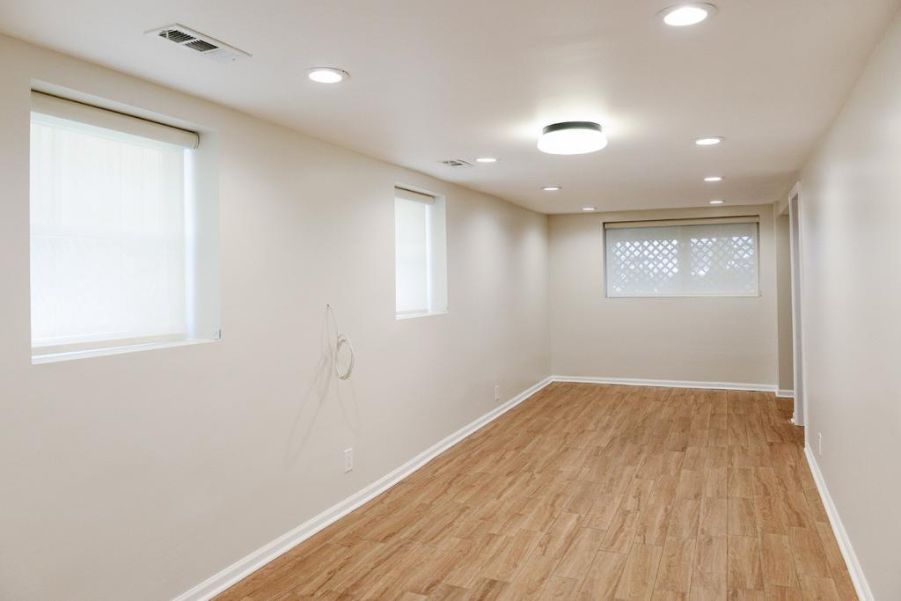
x=242 y=568
x=844 y=543
x=784 y=393
x=668 y=383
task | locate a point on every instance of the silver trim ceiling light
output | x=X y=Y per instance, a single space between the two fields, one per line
x=687 y=14
x=572 y=137
x=327 y=75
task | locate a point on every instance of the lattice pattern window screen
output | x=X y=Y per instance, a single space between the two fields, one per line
x=717 y=259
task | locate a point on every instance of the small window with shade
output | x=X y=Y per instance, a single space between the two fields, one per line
x=420 y=256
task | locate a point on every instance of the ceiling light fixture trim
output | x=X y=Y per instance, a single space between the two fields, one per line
x=328 y=75
x=572 y=137
x=687 y=13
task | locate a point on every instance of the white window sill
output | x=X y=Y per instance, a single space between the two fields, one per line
x=752 y=295
x=38 y=359
x=415 y=315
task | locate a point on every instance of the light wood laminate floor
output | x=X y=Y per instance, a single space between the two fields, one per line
x=589 y=492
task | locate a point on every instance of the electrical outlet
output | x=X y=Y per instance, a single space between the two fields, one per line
x=348 y=460
x=497 y=392
x=820 y=444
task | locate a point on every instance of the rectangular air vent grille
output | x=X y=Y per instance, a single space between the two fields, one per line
x=456 y=163
x=201 y=46
x=199 y=42
x=174 y=35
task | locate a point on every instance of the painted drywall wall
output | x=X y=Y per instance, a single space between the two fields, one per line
x=784 y=300
x=699 y=339
x=138 y=476
x=851 y=276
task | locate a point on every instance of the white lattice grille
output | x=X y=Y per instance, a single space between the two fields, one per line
x=686 y=260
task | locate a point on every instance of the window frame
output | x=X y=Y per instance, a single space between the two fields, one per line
x=199 y=229
x=745 y=219
x=439 y=202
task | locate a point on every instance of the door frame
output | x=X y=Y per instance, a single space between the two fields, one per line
x=797 y=278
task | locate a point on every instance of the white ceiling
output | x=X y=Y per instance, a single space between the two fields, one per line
x=435 y=80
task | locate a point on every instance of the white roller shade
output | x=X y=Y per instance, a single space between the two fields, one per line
x=411 y=256
x=108 y=235
x=618 y=225
x=703 y=258
x=71 y=110
x=420 y=254
x=411 y=196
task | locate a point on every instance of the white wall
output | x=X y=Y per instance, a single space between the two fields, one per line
x=851 y=257
x=137 y=476
x=701 y=339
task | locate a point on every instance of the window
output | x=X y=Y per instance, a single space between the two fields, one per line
x=112 y=224
x=708 y=257
x=419 y=254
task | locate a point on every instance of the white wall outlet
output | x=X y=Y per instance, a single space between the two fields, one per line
x=820 y=444
x=497 y=392
x=348 y=460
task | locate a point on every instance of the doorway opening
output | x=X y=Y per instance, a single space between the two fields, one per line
x=794 y=218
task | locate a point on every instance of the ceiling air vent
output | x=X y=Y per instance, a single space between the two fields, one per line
x=456 y=163
x=199 y=42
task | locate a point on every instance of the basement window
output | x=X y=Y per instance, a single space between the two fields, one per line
x=122 y=237
x=704 y=257
x=420 y=256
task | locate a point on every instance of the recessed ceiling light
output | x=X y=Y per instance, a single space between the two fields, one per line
x=712 y=141
x=689 y=13
x=587 y=209
x=327 y=75
x=552 y=188
x=712 y=179
x=486 y=160
x=572 y=137
x=716 y=202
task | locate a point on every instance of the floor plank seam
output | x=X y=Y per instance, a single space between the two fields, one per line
x=588 y=491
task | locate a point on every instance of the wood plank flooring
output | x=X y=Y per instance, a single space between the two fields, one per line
x=589 y=492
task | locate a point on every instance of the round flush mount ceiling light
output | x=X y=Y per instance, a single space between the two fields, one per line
x=716 y=202
x=486 y=160
x=686 y=14
x=712 y=179
x=552 y=188
x=587 y=209
x=327 y=75
x=572 y=137
x=711 y=141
